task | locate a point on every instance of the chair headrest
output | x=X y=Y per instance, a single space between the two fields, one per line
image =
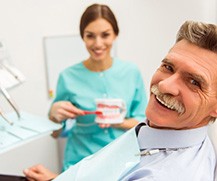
x=212 y=131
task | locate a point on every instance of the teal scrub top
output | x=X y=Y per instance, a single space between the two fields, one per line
x=81 y=87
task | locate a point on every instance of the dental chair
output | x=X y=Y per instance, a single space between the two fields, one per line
x=213 y=136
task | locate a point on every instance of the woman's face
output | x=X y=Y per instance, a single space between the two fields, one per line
x=98 y=38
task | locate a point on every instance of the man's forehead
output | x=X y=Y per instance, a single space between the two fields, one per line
x=187 y=46
x=185 y=50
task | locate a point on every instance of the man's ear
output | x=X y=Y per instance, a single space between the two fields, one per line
x=214 y=112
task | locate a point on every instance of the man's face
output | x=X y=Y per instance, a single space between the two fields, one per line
x=184 y=88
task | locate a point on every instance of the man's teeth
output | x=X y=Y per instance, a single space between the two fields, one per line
x=165 y=104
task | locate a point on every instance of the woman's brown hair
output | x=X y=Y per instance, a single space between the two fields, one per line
x=96 y=11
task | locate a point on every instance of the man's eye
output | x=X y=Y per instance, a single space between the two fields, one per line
x=194 y=82
x=168 y=67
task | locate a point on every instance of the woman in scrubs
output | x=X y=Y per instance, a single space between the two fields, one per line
x=98 y=76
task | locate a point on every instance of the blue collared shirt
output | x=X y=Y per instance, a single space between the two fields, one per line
x=181 y=155
x=189 y=157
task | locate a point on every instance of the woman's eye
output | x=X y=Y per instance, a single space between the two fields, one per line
x=90 y=36
x=105 y=35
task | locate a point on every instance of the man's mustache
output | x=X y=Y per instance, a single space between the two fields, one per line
x=168 y=100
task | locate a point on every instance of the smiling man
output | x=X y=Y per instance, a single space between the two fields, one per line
x=184 y=88
x=172 y=144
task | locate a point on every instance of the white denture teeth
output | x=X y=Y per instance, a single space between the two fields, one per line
x=165 y=104
x=109 y=112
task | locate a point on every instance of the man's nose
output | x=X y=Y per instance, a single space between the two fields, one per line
x=170 y=85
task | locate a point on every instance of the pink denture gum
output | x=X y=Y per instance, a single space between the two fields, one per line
x=113 y=111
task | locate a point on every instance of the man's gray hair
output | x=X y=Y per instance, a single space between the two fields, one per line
x=201 y=34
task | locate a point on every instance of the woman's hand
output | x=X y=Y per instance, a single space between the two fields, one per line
x=126 y=124
x=63 y=110
x=106 y=125
x=39 y=173
x=103 y=125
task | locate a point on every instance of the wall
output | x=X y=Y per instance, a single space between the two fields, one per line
x=147 y=30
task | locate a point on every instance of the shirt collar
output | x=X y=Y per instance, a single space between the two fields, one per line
x=149 y=138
